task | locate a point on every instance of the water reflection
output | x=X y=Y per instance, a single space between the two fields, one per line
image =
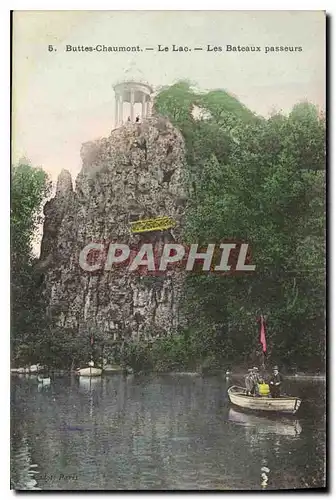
x=175 y=433
x=43 y=387
x=88 y=384
x=22 y=469
x=264 y=475
x=263 y=434
x=266 y=425
x=26 y=376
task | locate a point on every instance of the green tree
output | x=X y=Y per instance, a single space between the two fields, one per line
x=30 y=187
x=259 y=181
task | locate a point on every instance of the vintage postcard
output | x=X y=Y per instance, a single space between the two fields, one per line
x=168 y=250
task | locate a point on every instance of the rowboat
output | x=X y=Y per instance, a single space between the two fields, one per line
x=113 y=369
x=284 y=404
x=89 y=372
x=28 y=369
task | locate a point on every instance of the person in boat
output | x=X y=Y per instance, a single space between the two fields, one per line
x=256 y=380
x=91 y=363
x=263 y=388
x=275 y=383
x=249 y=382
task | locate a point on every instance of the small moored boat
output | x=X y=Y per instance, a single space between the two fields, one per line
x=284 y=404
x=113 y=369
x=89 y=372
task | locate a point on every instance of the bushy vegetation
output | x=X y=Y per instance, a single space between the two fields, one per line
x=249 y=179
x=30 y=187
x=261 y=181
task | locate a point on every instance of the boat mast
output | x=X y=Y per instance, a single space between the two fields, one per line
x=262 y=340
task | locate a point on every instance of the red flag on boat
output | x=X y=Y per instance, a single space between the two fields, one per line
x=263 y=333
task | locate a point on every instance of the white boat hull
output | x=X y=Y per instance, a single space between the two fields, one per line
x=90 y=372
x=281 y=405
x=112 y=369
x=31 y=369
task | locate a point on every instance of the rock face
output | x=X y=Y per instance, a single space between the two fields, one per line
x=135 y=173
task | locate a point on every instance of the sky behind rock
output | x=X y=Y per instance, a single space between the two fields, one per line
x=62 y=99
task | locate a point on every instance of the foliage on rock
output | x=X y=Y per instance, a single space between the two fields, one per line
x=260 y=181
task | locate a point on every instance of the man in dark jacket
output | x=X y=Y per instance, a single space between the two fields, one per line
x=275 y=383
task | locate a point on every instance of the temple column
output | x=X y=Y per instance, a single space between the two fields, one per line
x=116 y=112
x=132 y=106
x=121 y=110
x=143 y=108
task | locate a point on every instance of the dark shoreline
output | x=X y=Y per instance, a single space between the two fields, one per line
x=301 y=376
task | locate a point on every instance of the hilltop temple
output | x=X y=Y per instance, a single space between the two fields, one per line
x=132 y=94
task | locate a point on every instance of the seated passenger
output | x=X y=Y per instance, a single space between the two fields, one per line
x=275 y=383
x=256 y=379
x=249 y=382
x=263 y=389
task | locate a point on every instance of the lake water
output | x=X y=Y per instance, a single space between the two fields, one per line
x=173 y=432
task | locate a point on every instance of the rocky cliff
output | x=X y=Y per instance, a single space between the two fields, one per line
x=135 y=173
